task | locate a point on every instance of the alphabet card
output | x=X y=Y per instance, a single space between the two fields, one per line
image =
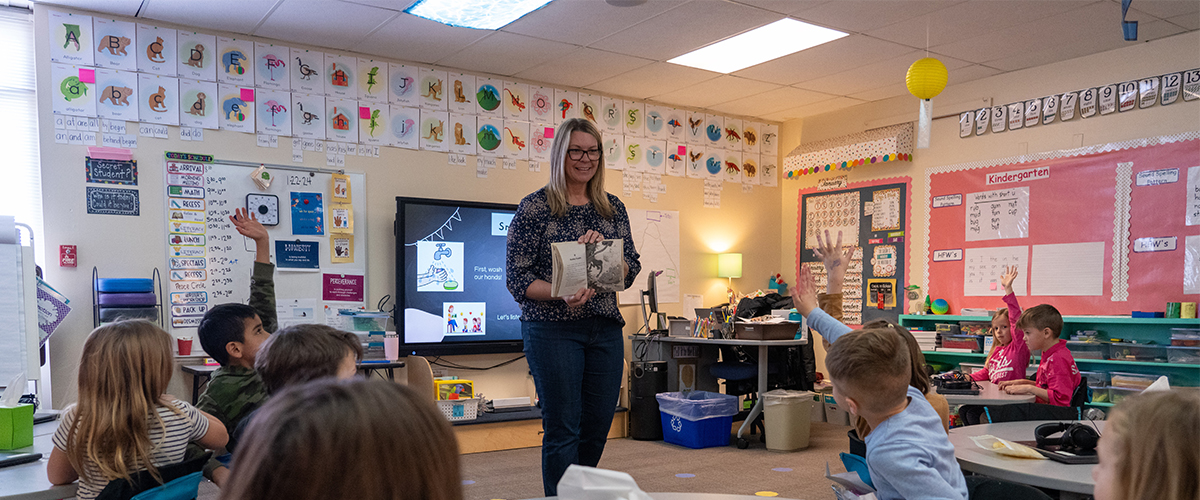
x=714 y=131
x=433 y=90
x=589 y=107
x=342 y=122
x=541 y=103
x=71 y=39
x=695 y=163
x=404 y=127
x=768 y=172
x=270 y=67
x=656 y=124
x=235 y=64
x=611 y=115
x=158 y=100
x=733 y=134
x=433 y=130
x=372 y=80
x=750 y=132
x=118 y=94
x=516 y=140
x=340 y=77
x=487 y=96
x=714 y=163
x=633 y=122
x=402 y=84
x=677 y=159
x=488 y=136
x=308 y=116
x=308 y=71
x=750 y=164
x=373 y=120
x=156 y=50
x=198 y=104
x=274 y=112
x=655 y=161
x=462 y=101
x=769 y=142
x=566 y=105
x=733 y=166
x=516 y=101
x=541 y=137
x=676 y=124
x=114 y=44
x=614 y=152
x=74 y=90
x=464 y=140
x=237 y=108
x=694 y=129
x=197 y=56
x=635 y=154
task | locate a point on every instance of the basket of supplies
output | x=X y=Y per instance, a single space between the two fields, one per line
x=458 y=410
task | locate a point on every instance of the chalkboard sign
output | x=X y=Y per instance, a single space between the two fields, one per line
x=103 y=171
x=112 y=201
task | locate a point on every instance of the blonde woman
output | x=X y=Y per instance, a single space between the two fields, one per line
x=1150 y=448
x=123 y=422
x=573 y=344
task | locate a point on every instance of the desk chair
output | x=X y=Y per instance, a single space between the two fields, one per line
x=741 y=379
x=181 y=481
x=986 y=488
x=977 y=414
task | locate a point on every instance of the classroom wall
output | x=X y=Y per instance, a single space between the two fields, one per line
x=132 y=246
x=1137 y=60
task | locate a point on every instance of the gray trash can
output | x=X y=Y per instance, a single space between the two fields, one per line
x=787 y=415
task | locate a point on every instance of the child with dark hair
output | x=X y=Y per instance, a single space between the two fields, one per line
x=301 y=353
x=232 y=335
x=1057 y=374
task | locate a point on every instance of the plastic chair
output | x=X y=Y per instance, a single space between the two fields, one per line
x=184 y=488
x=857 y=445
x=986 y=488
x=857 y=465
x=181 y=481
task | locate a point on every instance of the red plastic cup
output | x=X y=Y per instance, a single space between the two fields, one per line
x=185 y=346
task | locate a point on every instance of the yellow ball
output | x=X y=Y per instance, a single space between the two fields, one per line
x=926 y=78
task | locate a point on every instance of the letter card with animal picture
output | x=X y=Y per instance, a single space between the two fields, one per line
x=516 y=101
x=197 y=56
x=463 y=140
x=589 y=107
x=750 y=133
x=633 y=120
x=237 y=113
x=488 y=92
x=341 y=122
x=694 y=129
x=612 y=115
x=733 y=166
x=488 y=134
x=72 y=95
x=307 y=71
x=462 y=93
x=402 y=84
x=433 y=131
x=71 y=39
x=733 y=134
x=541 y=137
x=373 y=122
x=677 y=159
x=516 y=140
x=404 y=126
x=158 y=99
x=308 y=116
x=696 y=162
x=114 y=44
x=769 y=142
x=676 y=124
x=271 y=66
x=235 y=65
x=156 y=50
x=198 y=104
x=340 y=76
x=541 y=103
x=274 y=112
x=566 y=105
x=117 y=94
x=372 y=80
x=432 y=89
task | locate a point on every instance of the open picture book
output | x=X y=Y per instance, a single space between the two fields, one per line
x=593 y=265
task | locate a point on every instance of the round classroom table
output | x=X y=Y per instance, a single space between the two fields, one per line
x=29 y=481
x=989 y=394
x=1040 y=473
x=692 y=496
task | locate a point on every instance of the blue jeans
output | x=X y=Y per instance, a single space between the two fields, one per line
x=576 y=367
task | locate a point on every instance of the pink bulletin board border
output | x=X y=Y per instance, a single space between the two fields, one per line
x=1049 y=155
x=858 y=185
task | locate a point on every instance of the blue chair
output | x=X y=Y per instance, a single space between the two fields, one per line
x=184 y=488
x=857 y=465
x=181 y=481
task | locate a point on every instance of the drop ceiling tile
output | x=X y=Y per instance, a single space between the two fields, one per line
x=115 y=7
x=970 y=73
x=973 y=18
x=1164 y=9
x=874 y=76
x=825 y=106
x=771 y=101
x=882 y=93
x=505 y=54
x=823 y=60
x=782 y=6
x=686 y=28
x=1086 y=30
x=1108 y=41
x=653 y=79
x=396 y=5
x=860 y=16
x=410 y=38
x=1190 y=22
x=582 y=67
x=721 y=89
x=234 y=16
x=338 y=26
x=582 y=22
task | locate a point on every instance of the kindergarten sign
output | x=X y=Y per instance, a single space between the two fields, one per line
x=1032 y=174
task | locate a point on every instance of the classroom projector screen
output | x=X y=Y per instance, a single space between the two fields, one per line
x=450 y=279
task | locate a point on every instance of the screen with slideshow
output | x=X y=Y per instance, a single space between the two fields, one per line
x=451 y=281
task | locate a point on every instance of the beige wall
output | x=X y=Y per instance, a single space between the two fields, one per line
x=1138 y=60
x=132 y=246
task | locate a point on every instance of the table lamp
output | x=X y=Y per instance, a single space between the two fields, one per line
x=729 y=265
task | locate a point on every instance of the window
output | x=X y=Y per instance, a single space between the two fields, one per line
x=20 y=164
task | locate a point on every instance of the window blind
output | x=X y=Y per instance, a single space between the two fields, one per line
x=20 y=164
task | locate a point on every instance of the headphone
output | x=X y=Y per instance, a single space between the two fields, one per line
x=1075 y=436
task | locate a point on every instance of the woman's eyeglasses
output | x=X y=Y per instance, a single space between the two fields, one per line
x=578 y=154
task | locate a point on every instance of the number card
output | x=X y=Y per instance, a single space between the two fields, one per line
x=1108 y=99
x=966 y=123
x=1128 y=91
x=1033 y=112
x=981 y=120
x=1148 y=92
x=1191 y=84
x=999 y=117
x=1171 y=84
x=1066 y=107
x=1016 y=115
x=1087 y=103
x=1049 y=109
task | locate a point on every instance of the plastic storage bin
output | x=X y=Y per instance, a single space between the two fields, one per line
x=786 y=417
x=1185 y=337
x=1133 y=380
x=1096 y=379
x=1116 y=394
x=834 y=414
x=1100 y=394
x=459 y=409
x=973 y=342
x=366 y=321
x=1088 y=350
x=1138 y=352
x=699 y=419
x=975 y=327
x=1184 y=354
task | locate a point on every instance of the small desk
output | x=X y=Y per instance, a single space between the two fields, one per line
x=763 y=345
x=201 y=373
x=1074 y=480
x=989 y=394
x=29 y=481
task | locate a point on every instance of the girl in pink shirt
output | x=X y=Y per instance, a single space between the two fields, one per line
x=1009 y=357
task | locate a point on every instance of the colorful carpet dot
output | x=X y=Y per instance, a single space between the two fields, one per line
x=685 y=476
x=782 y=469
x=468 y=481
x=766 y=494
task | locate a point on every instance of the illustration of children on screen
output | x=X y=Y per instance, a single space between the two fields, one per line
x=451 y=320
x=442 y=263
x=465 y=318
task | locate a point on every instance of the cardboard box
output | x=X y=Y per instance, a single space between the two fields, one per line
x=16 y=427
x=766 y=331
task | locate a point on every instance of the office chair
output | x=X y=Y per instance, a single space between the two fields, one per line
x=181 y=481
x=986 y=488
x=741 y=379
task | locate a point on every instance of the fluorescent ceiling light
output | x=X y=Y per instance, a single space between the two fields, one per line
x=477 y=14
x=759 y=45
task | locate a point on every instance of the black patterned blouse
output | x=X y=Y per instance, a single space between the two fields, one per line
x=532 y=231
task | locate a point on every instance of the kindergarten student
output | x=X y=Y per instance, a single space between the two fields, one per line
x=366 y=439
x=301 y=353
x=124 y=422
x=232 y=334
x=1057 y=375
x=908 y=452
x=1150 y=449
x=1009 y=356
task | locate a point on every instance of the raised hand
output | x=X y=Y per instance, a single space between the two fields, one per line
x=1010 y=274
x=804 y=294
x=247 y=224
x=835 y=258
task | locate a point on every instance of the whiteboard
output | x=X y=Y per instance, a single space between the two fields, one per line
x=226 y=258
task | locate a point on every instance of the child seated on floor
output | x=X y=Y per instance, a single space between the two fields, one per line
x=366 y=439
x=908 y=452
x=1057 y=375
x=1150 y=448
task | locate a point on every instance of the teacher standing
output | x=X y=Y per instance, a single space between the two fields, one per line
x=573 y=344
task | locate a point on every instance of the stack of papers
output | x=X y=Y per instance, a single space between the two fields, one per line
x=927 y=341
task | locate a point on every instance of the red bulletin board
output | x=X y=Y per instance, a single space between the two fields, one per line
x=1080 y=201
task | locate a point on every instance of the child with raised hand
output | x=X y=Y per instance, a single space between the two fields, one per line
x=124 y=422
x=908 y=452
x=1150 y=449
x=365 y=439
x=1057 y=374
x=1009 y=356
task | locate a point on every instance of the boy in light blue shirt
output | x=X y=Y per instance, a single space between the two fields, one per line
x=908 y=452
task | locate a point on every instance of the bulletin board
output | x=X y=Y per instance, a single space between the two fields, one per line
x=873 y=216
x=1099 y=230
x=210 y=263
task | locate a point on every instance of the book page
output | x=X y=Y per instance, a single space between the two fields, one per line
x=605 y=272
x=570 y=273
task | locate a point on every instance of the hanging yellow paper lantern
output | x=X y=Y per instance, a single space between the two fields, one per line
x=926 y=78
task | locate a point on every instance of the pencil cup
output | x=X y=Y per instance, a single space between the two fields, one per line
x=391 y=346
x=185 y=346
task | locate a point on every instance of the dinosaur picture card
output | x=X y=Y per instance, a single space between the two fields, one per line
x=197 y=56
x=274 y=112
x=432 y=89
x=158 y=99
x=114 y=44
x=156 y=50
x=462 y=93
x=516 y=101
x=433 y=131
x=271 y=67
x=404 y=127
x=373 y=121
x=488 y=92
x=308 y=116
x=237 y=114
x=117 y=94
x=308 y=71
x=71 y=39
x=341 y=122
x=198 y=104
x=72 y=96
x=516 y=140
x=462 y=140
x=340 y=76
x=236 y=66
x=402 y=84
x=372 y=80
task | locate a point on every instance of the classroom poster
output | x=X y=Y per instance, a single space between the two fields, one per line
x=270 y=66
x=541 y=104
x=342 y=120
x=402 y=84
x=677 y=159
x=433 y=131
x=197 y=56
x=733 y=166
x=733 y=134
x=237 y=108
x=236 y=61
x=633 y=120
x=404 y=127
x=114 y=44
x=341 y=248
x=714 y=130
x=589 y=107
x=695 y=163
x=694 y=129
x=71 y=38
x=274 y=112
x=655 y=161
x=343 y=287
x=750 y=133
x=159 y=99
x=372 y=81
x=308 y=71
x=118 y=94
x=488 y=137
x=74 y=90
x=340 y=186
x=768 y=171
x=516 y=140
x=432 y=89
x=308 y=116
x=297 y=255
x=656 y=123
x=487 y=97
x=769 y=142
x=675 y=124
x=307 y=214
x=714 y=163
x=462 y=95
x=463 y=141
x=541 y=137
x=156 y=50
x=516 y=101
x=566 y=105
x=750 y=169
x=373 y=121
x=611 y=115
x=340 y=78
x=341 y=218
x=615 y=155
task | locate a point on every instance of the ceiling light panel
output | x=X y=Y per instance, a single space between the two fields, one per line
x=477 y=14
x=778 y=39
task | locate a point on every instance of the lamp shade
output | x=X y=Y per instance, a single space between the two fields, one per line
x=926 y=78
x=729 y=265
